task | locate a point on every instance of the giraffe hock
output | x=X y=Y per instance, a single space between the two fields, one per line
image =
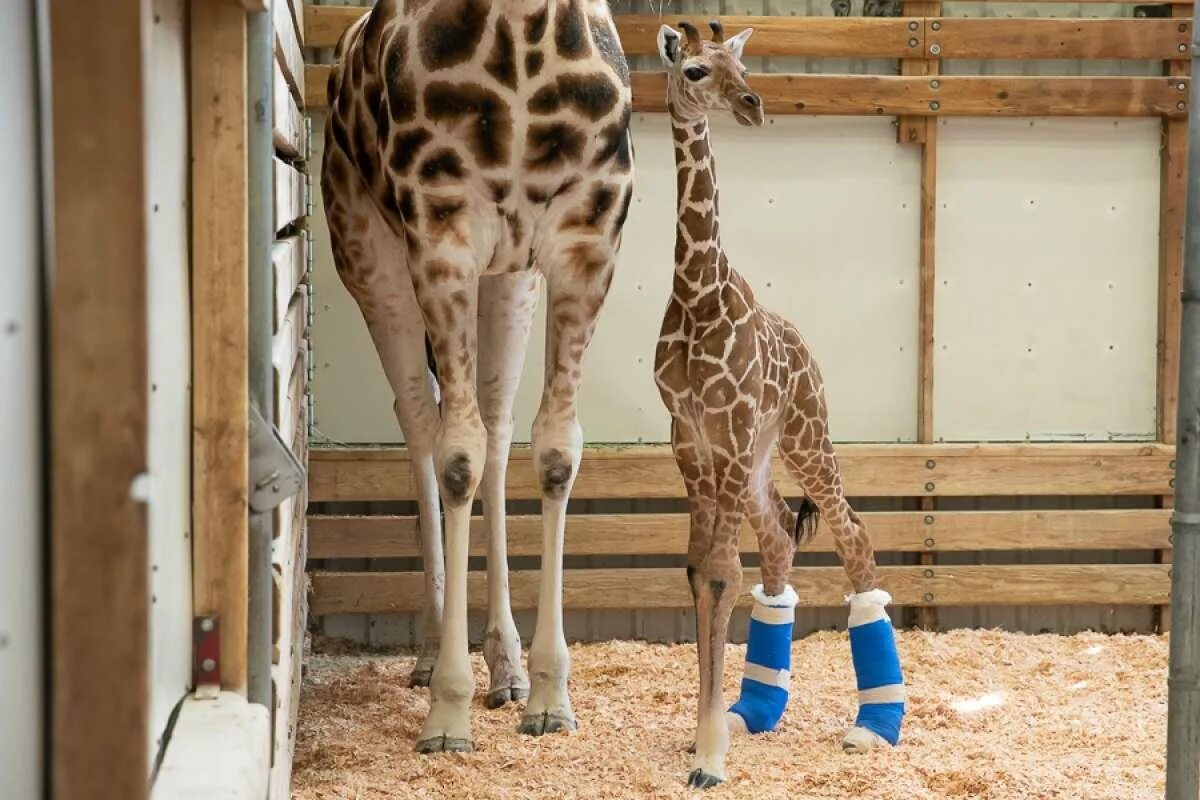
x=880 y=680
x=767 y=674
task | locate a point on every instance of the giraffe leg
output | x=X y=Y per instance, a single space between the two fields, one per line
x=444 y=276
x=878 y=673
x=506 y=306
x=576 y=287
x=372 y=263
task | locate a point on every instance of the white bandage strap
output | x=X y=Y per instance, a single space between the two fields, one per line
x=883 y=694
x=867 y=607
x=773 y=615
x=765 y=675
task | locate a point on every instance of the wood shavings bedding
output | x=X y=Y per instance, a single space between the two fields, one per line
x=991 y=716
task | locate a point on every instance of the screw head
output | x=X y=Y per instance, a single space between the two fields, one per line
x=934 y=105
x=1172 y=464
x=208 y=665
x=1181 y=86
x=1183 y=48
x=929 y=486
x=937 y=26
x=935 y=48
x=929 y=542
x=1181 y=105
x=912 y=26
x=206 y=625
x=913 y=42
x=929 y=519
x=930 y=464
x=929 y=597
x=1183 y=27
x=935 y=84
x=1171 y=483
x=928 y=573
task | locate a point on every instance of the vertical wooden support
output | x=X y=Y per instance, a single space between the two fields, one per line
x=1172 y=210
x=98 y=403
x=219 y=328
x=923 y=131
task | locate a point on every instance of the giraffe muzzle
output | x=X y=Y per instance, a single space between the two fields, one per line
x=748 y=110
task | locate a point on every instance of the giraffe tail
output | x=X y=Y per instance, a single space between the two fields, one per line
x=806 y=521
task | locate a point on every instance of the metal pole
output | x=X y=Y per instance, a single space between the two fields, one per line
x=1183 y=706
x=260 y=52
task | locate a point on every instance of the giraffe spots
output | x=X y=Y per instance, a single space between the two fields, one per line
x=499 y=190
x=570 y=31
x=457 y=479
x=490 y=123
x=587 y=260
x=592 y=96
x=406 y=206
x=551 y=145
x=502 y=63
x=446 y=219
x=699 y=151
x=600 y=202
x=396 y=56
x=604 y=37
x=623 y=214
x=702 y=186
x=615 y=144
x=450 y=33
x=698 y=224
x=537 y=195
x=440 y=166
x=533 y=63
x=535 y=25
x=405 y=147
x=372 y=35
x=439 y=270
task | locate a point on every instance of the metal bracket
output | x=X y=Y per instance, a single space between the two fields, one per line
x=275 y=474
x=206 y=656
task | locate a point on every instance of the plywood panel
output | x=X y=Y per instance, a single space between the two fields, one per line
x=288 y=259
x=22 y=621
x=290 y=194
x=1046 y=294
x=784 y=226
x=289 y=124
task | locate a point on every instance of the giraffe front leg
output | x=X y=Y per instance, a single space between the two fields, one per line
x=507 y=303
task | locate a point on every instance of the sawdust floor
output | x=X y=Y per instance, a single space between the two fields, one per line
x=991 y=715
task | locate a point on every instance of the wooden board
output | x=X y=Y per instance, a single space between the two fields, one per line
x=1026 y=584
x=667 y=534
x=290 y=195
x=289 y=131
x=290 y=339
x=288 y=53
x=220 y=336
x=384 y=473
x=288 y=257
x=98 y=736
x=895 y=95
x=996 y=38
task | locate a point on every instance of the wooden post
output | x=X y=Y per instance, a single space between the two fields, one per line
x=219 y=328
x=98 y=404
x=1172 y=211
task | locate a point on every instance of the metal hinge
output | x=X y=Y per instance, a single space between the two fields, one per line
x=308 y=138
x=275 y=474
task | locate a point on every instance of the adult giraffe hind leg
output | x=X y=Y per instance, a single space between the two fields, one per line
x=506 y=306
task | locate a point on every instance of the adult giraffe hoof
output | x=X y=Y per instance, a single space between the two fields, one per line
x=506 y=694
x=445 y=744
x=546 y=722
x=699 y=779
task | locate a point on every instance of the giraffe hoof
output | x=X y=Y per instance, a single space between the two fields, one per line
x=445 y=744
x=699 y=779
x=546 y=722
x=504 y=695
x=421 y=676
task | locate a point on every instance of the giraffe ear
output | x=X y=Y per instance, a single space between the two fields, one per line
x=736 y=43
x=668 y=45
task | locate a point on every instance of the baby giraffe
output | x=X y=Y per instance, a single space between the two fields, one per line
x=738 y=380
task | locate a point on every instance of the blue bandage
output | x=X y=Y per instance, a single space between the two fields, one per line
x=768 y=661
x=876 y=666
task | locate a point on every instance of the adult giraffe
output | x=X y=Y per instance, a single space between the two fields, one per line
x=471 y=147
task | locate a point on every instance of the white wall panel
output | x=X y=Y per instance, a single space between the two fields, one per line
x=819 y=214
x=1047 y=270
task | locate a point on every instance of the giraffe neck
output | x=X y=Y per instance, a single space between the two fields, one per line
x=699 y=259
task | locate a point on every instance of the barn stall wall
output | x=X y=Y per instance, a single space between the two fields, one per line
x=1054 y=220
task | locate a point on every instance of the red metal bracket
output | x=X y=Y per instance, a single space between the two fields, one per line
x=206 y=655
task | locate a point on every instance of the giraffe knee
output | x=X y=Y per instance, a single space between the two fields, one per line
x=555 y=471
x=459 y=479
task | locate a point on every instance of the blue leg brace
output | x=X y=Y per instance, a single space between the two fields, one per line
x=768 y=661
x=877 y=670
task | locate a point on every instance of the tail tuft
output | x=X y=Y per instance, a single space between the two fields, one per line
x=806 y=521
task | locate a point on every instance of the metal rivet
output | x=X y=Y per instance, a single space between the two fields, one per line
x=928 y=573
x=912 y=26
x=929 y=597
x=1181 y=105
x=206 y=624
x=934 y=105
x=913 y=42
x=929 y=542
x=1183 y=48
x=208 y=665
x=935 y=84
x=929 y=519
x=937 y=26
x=930 y=464
x=935 y=48
x=929 y=486
x=1181 y=86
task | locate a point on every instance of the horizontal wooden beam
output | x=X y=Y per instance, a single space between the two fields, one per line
x=941 y=585
x=892 y=95
x=384 y=473
x=667 y=534
x=996 y=38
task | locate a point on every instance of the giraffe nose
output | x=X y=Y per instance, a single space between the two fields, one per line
x=752 y=100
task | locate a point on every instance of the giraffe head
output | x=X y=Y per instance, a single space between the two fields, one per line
x=705 y=76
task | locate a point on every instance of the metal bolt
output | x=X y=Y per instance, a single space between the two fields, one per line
x=928 y=573
x=934 y=105
x=913 y=42
x=1183 y=48
x=206 y=625
x=929 y=542
x=1181 y=86
x=208 y=665
x=929 y=519
x=930 y=464
x=274 y=476
x=935 y=48
x=935 y=84
x=912 y=26
x=929 y=486
x=937 y=26
x=929 y=597
x=1181 y=105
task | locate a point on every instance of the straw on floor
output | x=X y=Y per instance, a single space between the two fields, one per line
x=991 y=715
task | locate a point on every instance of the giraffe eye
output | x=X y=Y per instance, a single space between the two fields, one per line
x=695 y=73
